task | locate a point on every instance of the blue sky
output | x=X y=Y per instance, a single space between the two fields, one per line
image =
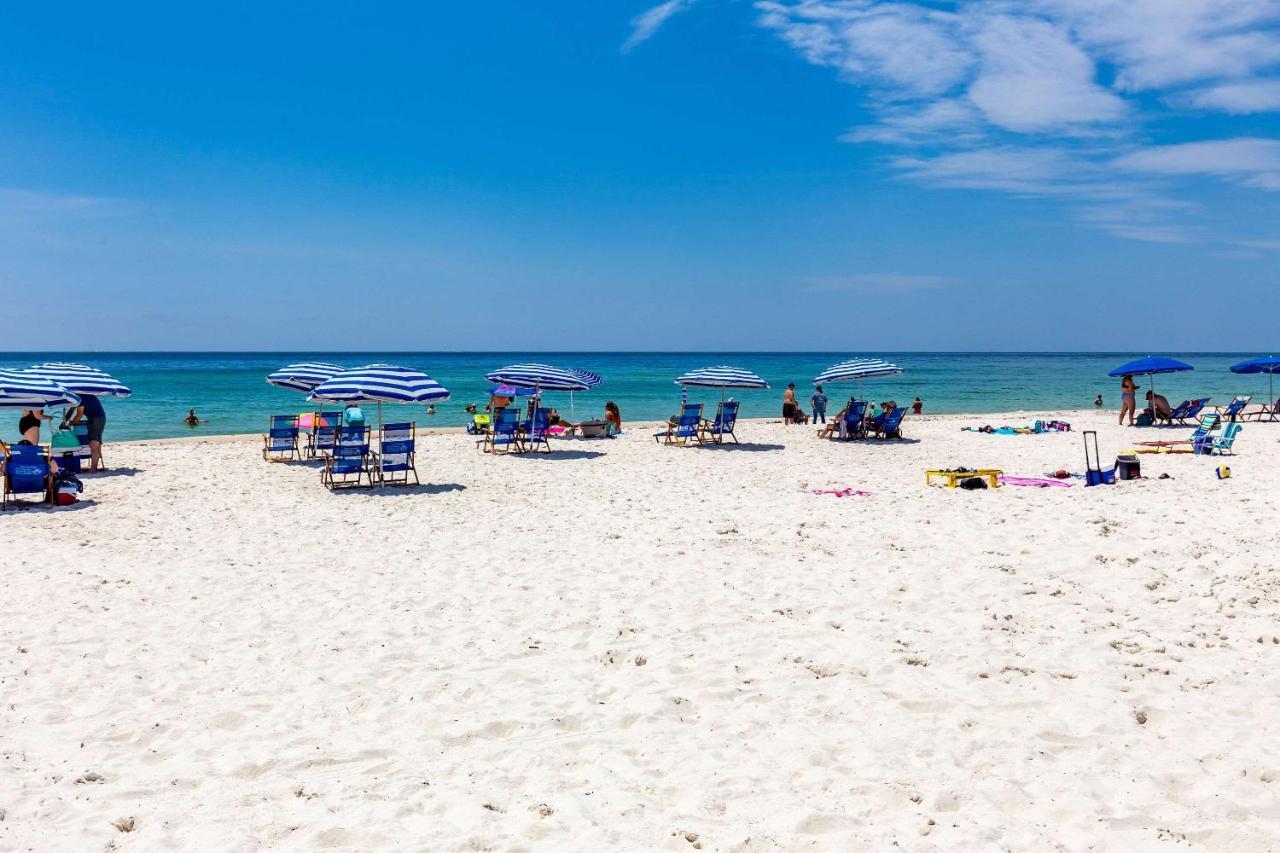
x=697 y=174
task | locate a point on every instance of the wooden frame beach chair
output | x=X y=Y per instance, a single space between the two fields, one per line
x=726 y=418
x=26 y=470
x=890 y=425
x=1194 y=410
x=324 y=429
x=1268 y=411
x=853 y=424
x=280 y=444
x=505 y=433
x=537 y=431
x=682 y=427
x=1233 y=410
x=395 y=458
x=348 y=466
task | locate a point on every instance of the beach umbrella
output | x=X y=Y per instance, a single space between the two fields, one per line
x=545 y=377
x=503 y=390
x=856 y=370
x=20 y=389
x=1268 y=364
x=304 y=376
x=81 y=379
x=1151 y=366
x=721 y=377
x=380 y=383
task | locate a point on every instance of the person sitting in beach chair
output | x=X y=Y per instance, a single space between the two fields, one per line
x=682 y=427
x=347 y=467
x=394 y=459
x=536 y=431
x=1158 y=407
x=726 y=418
x=280 y=444
x=1234 y=409
x=27 y=470
x=1220 y=443
x=890 y=425
x=851 y=424
x=505 y=434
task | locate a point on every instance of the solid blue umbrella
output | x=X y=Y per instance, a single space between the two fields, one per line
x=1268 y=364
x=381 y=383
x=81 y=379
x=304 y=376
x=1150 y=366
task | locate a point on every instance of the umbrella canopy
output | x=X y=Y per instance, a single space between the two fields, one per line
x=1264 y=364
x=1150 y=365
x=722 y=377
x=304 y=376
x=81 y=379
x=20 y=389
x=510 y=391
x=383 y=383
x=856 y=370
x=544 y=377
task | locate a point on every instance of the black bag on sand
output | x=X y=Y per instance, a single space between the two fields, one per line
x=973 y=483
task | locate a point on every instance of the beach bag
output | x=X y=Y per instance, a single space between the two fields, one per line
x=67 y=488
x=1143 y=419
x=64 y=440
x=972 y=483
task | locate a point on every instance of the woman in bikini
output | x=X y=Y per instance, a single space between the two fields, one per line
x=1128 y=399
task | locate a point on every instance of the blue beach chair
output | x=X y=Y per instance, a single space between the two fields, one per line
x=1234 y=408
x=280 y=444
x=890 y=425
x=682 y=427
x=536 y=431
x=395 y=457
x=348 y=466
x=726 y=418
x=324 y=429
x=853 y=425
x=26 y=471
x=1221 y=444
x=1193 y=411
x=505 y=432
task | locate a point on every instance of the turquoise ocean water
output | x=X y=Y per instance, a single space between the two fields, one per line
x=230 y=391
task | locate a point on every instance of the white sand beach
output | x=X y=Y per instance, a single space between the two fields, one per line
x=621 y=646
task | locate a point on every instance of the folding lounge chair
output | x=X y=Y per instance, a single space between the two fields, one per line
x=682 y=428
x=505 y=432
x=726 y=417
x=26 y=472
x=1233 y=410
x=1193 y=411
x=1179 y=412
x=1269 y=412
x=280 y=444
x=891 y=424
x=394 y=460
x=324 y=428
x=854 y=423
x=348 y=466
x=536 y=432
x=1222 y=443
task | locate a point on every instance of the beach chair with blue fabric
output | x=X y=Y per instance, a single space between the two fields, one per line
x=854 y=423
x=347 y=467
x=505 y=434
x=726 y=418
x=1193 y=411
x=280 y=444
x=1178 y=413
x=682 y=427
x=890 y=424
x=1233 y=410
x=395 y=457
x=26 y=471
x=1220 y=443
x=324 y=430
x=536 y=430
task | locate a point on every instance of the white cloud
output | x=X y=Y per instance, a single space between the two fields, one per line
x=1249 y=161
x=1241 y=97
x=644 y=25
x=889 y=282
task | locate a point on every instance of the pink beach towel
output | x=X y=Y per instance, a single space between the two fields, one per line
x=1032 y=481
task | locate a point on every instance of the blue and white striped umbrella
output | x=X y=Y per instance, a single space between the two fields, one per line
x=544 y=377
x=81 y=379
x=722 y=377
x=21 y=389
x=305 y=376
x=383 y=383
x=855 y=370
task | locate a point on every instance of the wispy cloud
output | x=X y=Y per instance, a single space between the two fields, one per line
x=648 y=22
x=1054 y=97
x=16 y=203
x=889 y=282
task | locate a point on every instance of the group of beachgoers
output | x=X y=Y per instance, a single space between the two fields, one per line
x=90 y=413
x=793 y=413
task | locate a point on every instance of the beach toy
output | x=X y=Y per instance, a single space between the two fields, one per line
x=951 y=479
x=1224 y=472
